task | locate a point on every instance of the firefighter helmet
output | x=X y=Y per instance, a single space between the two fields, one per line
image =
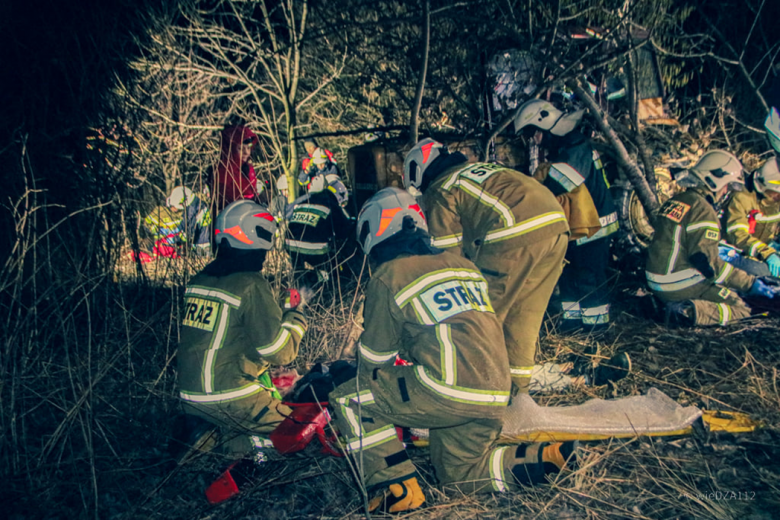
x=179 y=198
x=383 y=216
x=418 y=159
x=245 y=225
x=767 y=177
x=316 y=184
x=319 y=157
x=281 y=183
x=718 y=169
x=544 y=116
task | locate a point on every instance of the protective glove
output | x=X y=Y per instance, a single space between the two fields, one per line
x=773 y=262
x=297 y=298
x=726 y=253
x=759 y=288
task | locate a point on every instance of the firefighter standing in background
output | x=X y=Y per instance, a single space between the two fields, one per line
x=505 y=222
x=320 y=162
x=233 y=329
x=318 y=225
x=752 y=217
x=683 y=267
x=431 y=308
x=574 y=163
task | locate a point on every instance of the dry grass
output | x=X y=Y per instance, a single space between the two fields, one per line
x=88 y=392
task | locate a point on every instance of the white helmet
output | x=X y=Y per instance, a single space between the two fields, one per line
x=418 y=159
x=772 y=125
x=718 y=169
x=767 y=177
x=319 y=157
x=383 y=216
x=544 y=116
x=281 y=182
x=338 y=189
x=179 y=198
x=245 y=225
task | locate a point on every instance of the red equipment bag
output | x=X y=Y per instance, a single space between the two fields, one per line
x=299 y=428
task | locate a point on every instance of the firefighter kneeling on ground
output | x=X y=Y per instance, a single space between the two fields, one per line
x=683 y=267
x=432 y=309
x=232 y=330
x=752 y=221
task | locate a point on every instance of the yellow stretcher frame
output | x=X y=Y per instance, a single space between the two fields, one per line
x=714 y=421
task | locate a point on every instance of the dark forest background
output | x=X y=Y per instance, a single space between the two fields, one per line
x=106 y=105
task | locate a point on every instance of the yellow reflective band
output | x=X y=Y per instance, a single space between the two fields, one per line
x=448 y=356
x=724 y=274
x=448 y=241
x=466 y=395
x=675 y=251
x=565 y=175
x=295 y=328
x=374 y=438
x=221 y=397
x=735 y=227
x=281 y=340
x=228 y=298
x=497 y=468
x=700 y=225
x=488 y=200
x=725 y=313
x=526 y=226
x=417 y=286
x=675 y=281
x=375 y=357
x=521 y=371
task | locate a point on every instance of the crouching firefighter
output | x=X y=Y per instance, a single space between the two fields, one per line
x=432 y=309
x=232 y=330
x=683 y=267
x=505 y=222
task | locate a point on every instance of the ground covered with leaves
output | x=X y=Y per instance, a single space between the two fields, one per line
x=92 y=401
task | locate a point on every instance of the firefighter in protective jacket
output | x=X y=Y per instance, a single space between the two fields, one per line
x=431 y=308
x=574 y=163
x=233 y=329
x=683 y=267
x=752 y=217
x=317 y=227
x=505 y=222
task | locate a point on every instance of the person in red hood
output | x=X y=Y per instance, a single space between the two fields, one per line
x=235 y=177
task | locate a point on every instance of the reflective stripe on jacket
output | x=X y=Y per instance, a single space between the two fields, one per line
x=745 y=211
x=684 y=251
x=470 y=205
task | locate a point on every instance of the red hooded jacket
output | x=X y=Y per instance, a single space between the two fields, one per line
x=234 y=180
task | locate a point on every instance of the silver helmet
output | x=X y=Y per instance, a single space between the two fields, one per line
x=245 y=225
x=418 y=159
x=544 y=116
x=383 y=216
x=718 y=169
x=767 y=177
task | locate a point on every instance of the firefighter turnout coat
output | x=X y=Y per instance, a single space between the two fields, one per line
x=515 y=231
x=232 y=329
x=435 y=312
x=583 y=284
x=683 y=262
x=314 y=221
x=751 y=223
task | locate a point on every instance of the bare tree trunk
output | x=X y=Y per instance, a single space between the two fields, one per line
x=414 y=123
x=644 y=153
x=644 y=192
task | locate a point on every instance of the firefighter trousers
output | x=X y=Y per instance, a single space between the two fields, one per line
x=713 y=304
x=520 y=284
x=256 y=415
x=583 y=285
x=462 y=437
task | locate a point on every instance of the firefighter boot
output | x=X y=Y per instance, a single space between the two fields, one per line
x=402 y=496
x=534 y=461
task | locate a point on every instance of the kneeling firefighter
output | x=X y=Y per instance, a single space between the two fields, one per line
x=683 y=267
x=233 y=329
x=432 y=309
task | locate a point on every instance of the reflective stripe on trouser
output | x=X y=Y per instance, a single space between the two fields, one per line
x=520 y=284
x=714 y=304
x=462 y=446
x=584 y=291
x=259 y=413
